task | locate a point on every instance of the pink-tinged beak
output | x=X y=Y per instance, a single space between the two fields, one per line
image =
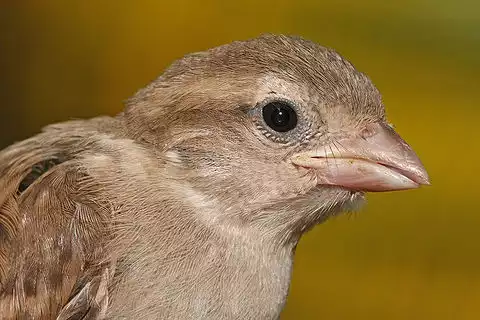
x=380 y=160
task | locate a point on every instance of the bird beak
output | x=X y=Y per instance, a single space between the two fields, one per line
x=380 y=160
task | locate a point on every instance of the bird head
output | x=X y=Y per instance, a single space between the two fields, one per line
x=276 y=132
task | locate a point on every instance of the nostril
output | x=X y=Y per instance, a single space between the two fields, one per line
x=369 y=130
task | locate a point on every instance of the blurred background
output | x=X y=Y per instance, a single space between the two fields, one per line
x=406 y=255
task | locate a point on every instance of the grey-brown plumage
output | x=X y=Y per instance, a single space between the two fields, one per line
x=189 y=204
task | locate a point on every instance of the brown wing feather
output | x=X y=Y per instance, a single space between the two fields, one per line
x=52 y=231
x=91 y=302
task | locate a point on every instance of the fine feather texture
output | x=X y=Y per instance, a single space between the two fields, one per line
x=48 y=222
x=185 y=206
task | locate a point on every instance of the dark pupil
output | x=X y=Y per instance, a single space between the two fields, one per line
x=280 y=116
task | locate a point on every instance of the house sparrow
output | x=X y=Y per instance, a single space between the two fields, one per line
x=190 y=203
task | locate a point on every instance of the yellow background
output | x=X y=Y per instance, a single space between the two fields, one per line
x=406 y=255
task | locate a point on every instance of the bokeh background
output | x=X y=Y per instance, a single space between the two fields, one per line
x=406 y=255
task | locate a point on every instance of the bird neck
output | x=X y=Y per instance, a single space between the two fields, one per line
x=247 y=274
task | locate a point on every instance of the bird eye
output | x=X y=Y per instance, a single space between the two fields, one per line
x=279 y=116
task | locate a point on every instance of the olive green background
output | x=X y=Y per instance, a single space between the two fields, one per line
x=406 y=255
